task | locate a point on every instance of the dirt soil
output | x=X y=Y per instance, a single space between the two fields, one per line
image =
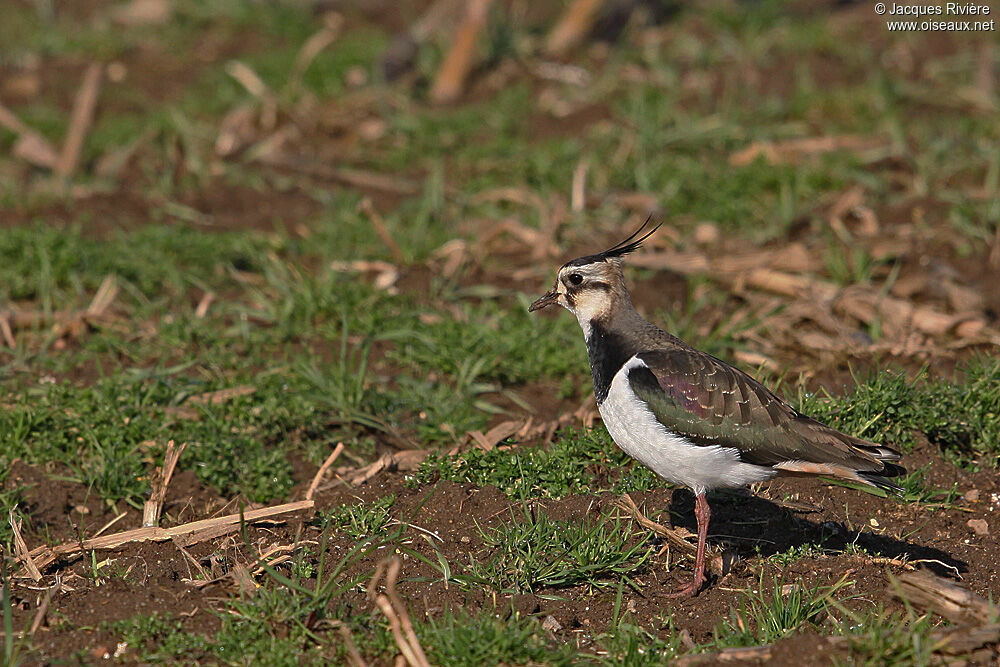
x=780 y=515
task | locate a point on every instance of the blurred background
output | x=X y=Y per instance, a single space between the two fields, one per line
x=384 y=187
x=267 y=227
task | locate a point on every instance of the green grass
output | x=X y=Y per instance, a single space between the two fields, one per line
x=533 y=552
x=576 y=462
x=880 y=637
x=465 y=640
x=362 y=520
x=765 y=617
x=962 y=417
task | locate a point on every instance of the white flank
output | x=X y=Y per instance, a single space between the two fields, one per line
x=635 y=429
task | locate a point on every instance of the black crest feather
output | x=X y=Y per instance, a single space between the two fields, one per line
x=631 y=244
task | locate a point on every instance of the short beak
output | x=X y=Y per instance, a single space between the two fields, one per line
x=548 y=299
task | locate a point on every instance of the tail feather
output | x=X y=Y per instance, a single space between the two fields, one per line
x=878 y=479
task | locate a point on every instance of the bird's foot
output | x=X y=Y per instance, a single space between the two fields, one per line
x=689 y=591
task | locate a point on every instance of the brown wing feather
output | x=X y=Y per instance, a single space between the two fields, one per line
x=710 y=402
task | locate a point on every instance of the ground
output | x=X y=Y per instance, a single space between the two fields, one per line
x=265 y=249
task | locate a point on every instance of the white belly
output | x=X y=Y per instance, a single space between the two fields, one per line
x=636 y=430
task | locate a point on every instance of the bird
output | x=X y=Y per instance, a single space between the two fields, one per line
x=690 y=417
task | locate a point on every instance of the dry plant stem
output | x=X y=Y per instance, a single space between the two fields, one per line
x=31 y=146
x=391 y=577
x=21 y=548
x=202 y=310
x=378 y=224
x=676 y=537
x=154 y=506
x=578 y=196
x=104 y=297
x=318 y=477
x=310 y=49
x=458 y=63
x=572 y=26
x=8 y=333
x=43 y=608
x=395 y=612
x=79 y=124
x=353 y=654
x=204 y=529
x=110 y=523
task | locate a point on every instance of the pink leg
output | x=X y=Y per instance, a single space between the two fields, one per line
x=703 y=514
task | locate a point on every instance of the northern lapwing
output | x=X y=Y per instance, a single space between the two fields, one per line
x=692 y=418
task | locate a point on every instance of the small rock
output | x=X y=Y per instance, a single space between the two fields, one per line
x=464 y=539
x=873 y=522
x=972 y=495
x=551 y=624
x=979 y=526
x=706 y=233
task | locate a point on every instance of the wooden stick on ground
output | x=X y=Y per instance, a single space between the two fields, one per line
x=322 y=470
x=956 y=603
x=378 y=224
x=458 y=63
x=204 y=528
x=79 y=124
x=31 y=146
x=572 y=27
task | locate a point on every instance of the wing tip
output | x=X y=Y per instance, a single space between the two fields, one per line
x=880 y=479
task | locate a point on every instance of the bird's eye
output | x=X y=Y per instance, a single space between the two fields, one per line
x=575 y=278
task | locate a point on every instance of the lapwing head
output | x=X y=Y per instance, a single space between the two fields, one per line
x=593 y=287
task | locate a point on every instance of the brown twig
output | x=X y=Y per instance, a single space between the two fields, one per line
x=8 y=333
x=378 y=224
x=318 y=477
x=80 y=121
x=737 y=654
x=154 y=506
x=311 y=48
x=677 y=537
x=21 y=549
x=572 y=26
x=458 y=63
x=43 y=608
x=408 y=459
x=578 y=195
x=353 y=654
x=203 y=528
x=31 y=146
x=110 y=523
x=395 y=612
x=202 y=309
